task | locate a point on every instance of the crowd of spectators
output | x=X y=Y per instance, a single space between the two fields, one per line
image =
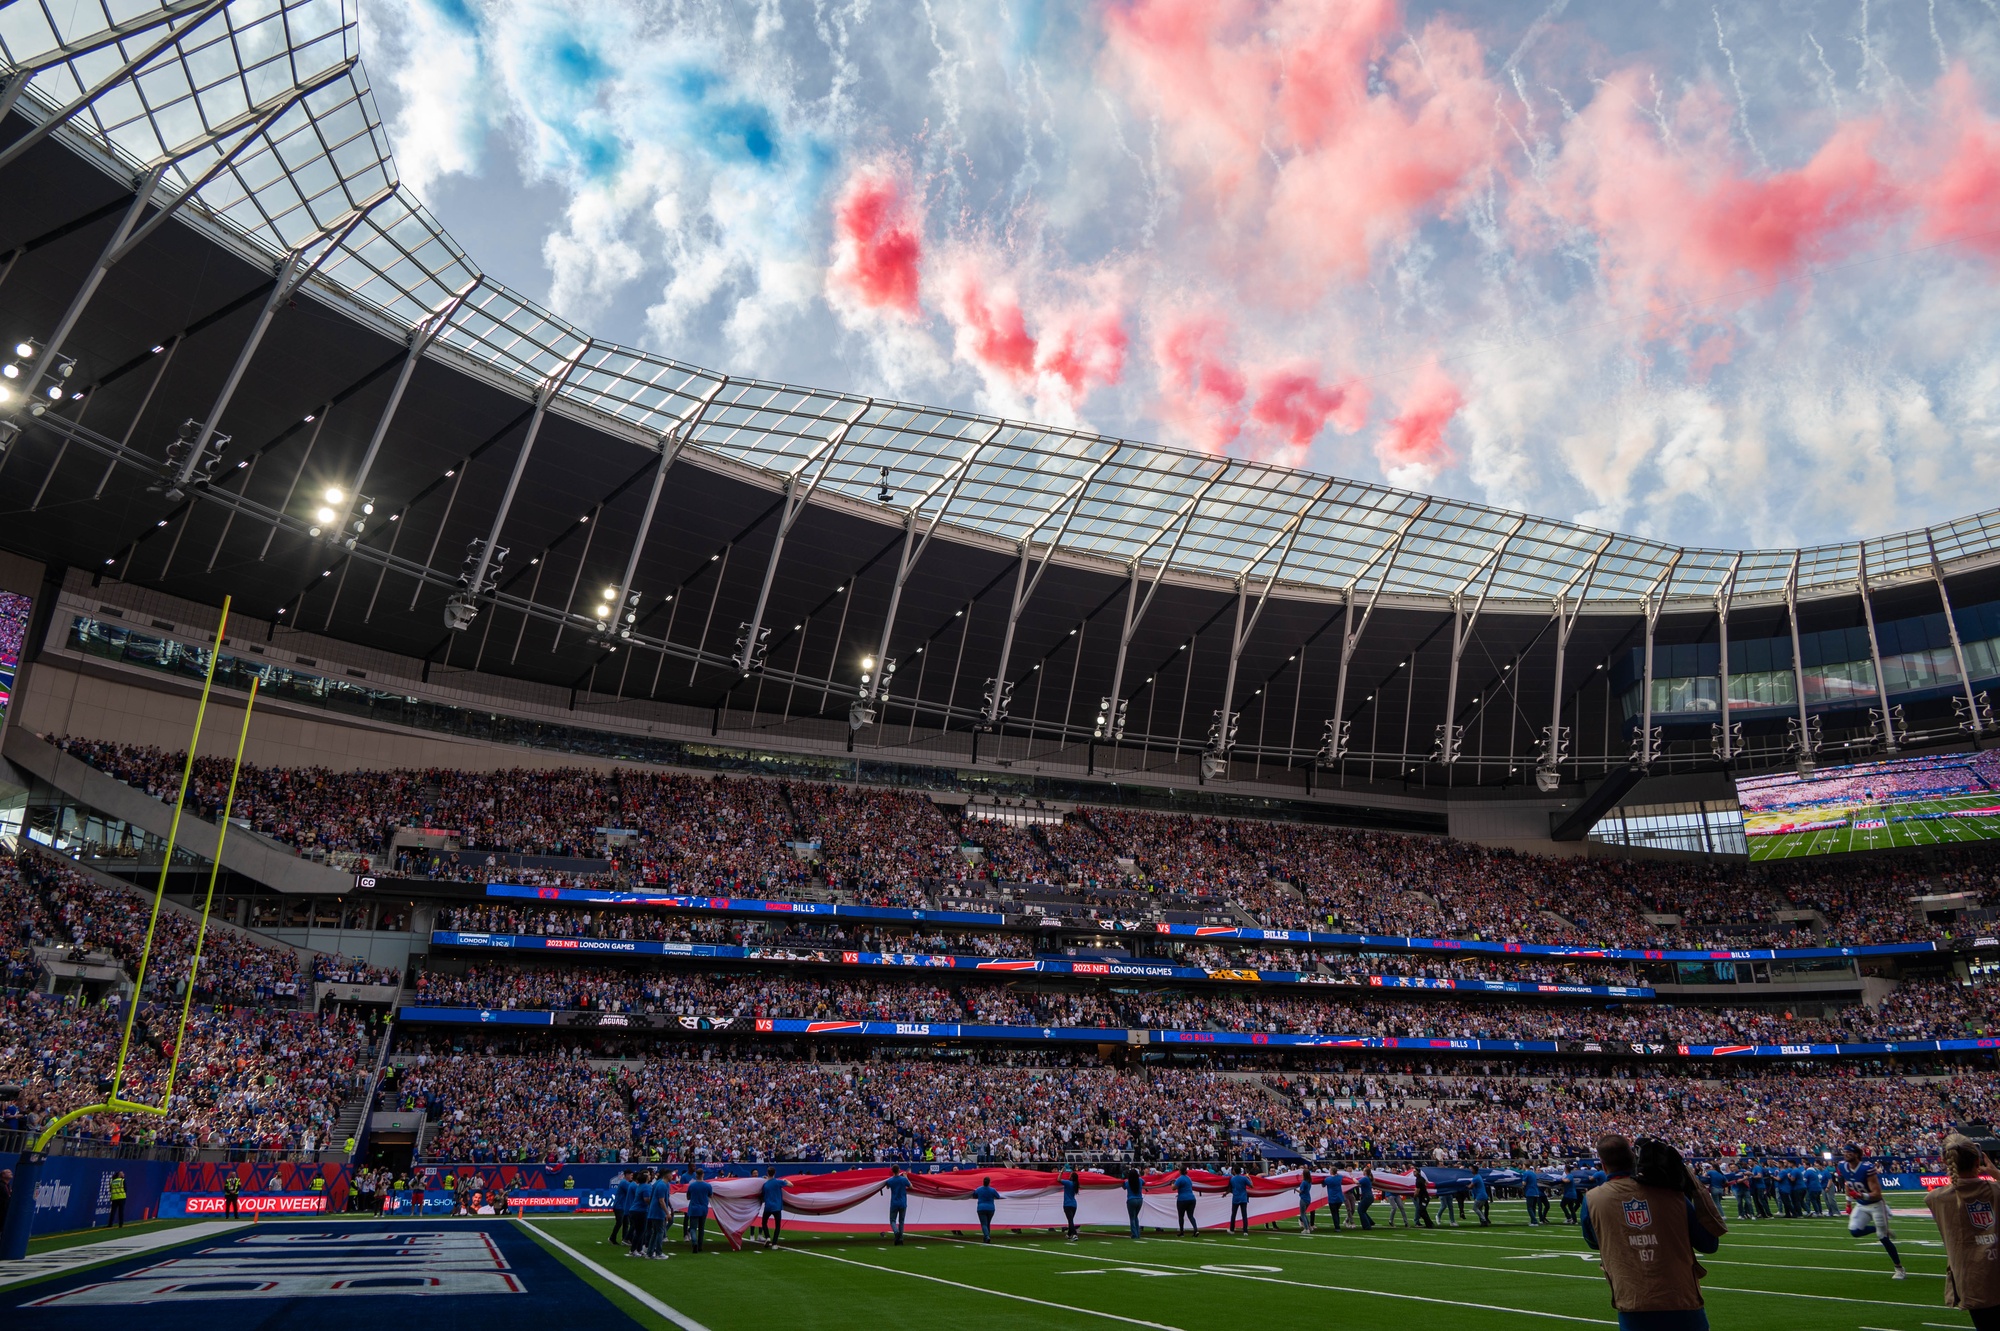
x=655 y=926
x=334 y=968
x=1551 y=1116
x=1916 y=1010
x=728 y=1104
x=1125 y=867
x=47 y=903
x=248 y=1079
x=511 y=1107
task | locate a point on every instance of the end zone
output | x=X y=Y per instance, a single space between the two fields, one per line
x=326 y=1276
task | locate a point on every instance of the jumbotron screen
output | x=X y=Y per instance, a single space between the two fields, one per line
x=1873 y=806
x=14 y=610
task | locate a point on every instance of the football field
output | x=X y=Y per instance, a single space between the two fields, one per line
x=1917 y=831
x=1773 y=1273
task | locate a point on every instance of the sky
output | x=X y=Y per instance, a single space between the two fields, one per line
x=1716 y=274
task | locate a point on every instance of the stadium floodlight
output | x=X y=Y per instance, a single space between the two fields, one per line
x=1333 y=741
x=1891 y=731
x=999 y=697
x=1728 y=740
x=1554 y=745
x=462 y=607
x=1222 y=733
x=36 y=396
x=1110 y=718
x=186 y=466
x=1975 y=714
x=1647 y=746
x=1444 y=748
x=1803 y=743
x=750 y=650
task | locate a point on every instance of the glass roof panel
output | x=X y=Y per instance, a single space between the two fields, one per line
x=323 y=154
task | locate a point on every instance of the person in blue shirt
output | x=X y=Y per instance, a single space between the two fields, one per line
x=1336 y=1195
x=1739 y=1182
x=1571 y=1198
x=619 y=1192
x=1070 y=1183
x=772 y=1223
x=1135 y=1196
x=1306 y=1225
x=1184 y=1203
x=695 y=1223
x=635 y=1214
x=1815 y=1191
x=1482 y=1199
x=1718 y=1184
x=659 y=1214
x=899 y=1201
x=1239 y=1199
x=1531 y=1190
x=1364 y=1197
x=986 y=1197
x=1760 y=1189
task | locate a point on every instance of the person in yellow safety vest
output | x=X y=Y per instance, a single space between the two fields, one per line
x=117 y=1215
x=350 y=1146
x=318 y=1184
x=568 y=1183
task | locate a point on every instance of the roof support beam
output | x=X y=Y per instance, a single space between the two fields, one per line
x=463 y=608
x=999 y=686
x=622 y=614
x=862 y=712
x=1885 y=716
x=130 y=231
x=1805 y=740
x=1462 y=625
x=749 y=652
x=422 y=335
x=1353 y=627
x=1136 y=608
x=18 y=84
x=1555 y=739
x=1728 y=734
x=1656 y=599
x=1224 y=738
x=290 y=274
x=1978 y=718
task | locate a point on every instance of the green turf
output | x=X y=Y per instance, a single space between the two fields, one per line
x=1778 y=1274
x=1941 y=831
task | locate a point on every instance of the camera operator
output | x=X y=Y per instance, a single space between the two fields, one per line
x=1647 y=1221
x=1965 y=1210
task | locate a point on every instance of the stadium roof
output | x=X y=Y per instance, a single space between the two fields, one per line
x=261 y=108
x=1070 y=568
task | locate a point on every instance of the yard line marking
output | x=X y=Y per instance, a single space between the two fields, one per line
x=674 y=1315
x=1342 y=1289
x=981 y=1289
x=1559 y=1275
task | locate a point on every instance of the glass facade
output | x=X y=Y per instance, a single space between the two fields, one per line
x=1835 y=664
x=1703 y=827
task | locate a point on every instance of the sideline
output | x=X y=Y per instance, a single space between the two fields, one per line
x=981 y=1289
x=674 y=1315
x=1312 y=1284
x=79 y=1255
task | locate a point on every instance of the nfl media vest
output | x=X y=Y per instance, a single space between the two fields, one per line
x=1965 y=1214
x=1642 y=1235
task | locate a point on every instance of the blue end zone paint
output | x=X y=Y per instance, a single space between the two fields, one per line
x=325 y=1276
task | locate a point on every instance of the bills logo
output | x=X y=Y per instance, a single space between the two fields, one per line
x=1638 y=1214
x=1979 y=1214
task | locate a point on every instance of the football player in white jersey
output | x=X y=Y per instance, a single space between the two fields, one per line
x=1867 y=1212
